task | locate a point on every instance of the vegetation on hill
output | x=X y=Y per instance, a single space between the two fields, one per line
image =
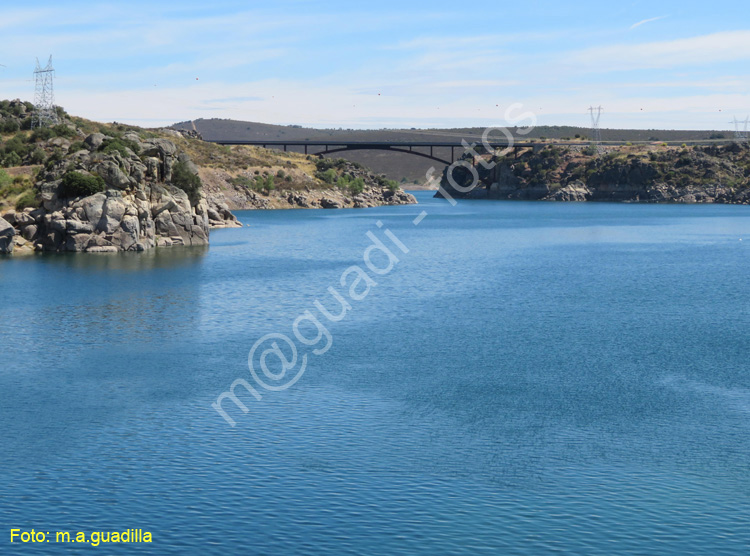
x=408 y=169
x=252 y=177
x=656 y=173
x=76 y=184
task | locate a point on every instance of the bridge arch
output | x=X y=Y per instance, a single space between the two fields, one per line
x=387 y=149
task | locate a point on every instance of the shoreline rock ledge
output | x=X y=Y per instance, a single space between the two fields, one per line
x=139 y=204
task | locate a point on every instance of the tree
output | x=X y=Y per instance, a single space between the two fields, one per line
x=76 y=184
x=186 y=180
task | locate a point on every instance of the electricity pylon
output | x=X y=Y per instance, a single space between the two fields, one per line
x=44 y=96
x=596 y=133
x=740 y=134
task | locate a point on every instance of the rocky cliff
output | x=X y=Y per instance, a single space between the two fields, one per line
x=652 y=174
x=115 y=193
x=87 y=187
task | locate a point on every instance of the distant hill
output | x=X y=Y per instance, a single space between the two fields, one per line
x=405 y=168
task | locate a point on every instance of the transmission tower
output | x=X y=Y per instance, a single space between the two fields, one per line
x=596 y=133
x=44 y=96
x=740 y=134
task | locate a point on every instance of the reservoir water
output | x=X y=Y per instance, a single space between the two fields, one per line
x=530 y=378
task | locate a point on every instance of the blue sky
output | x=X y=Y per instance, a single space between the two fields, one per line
x=650 y=64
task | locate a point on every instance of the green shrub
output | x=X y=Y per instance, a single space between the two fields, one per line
x=5 y=179
x=242 y=181
x=9 y=126
x=17 y=145
x=62 y=130
x=76 y=184
x=322 y=164
x=190 y=183
x=14 y=187
x=42 y=134
x=357 y=186
x=12 y=159
x=578 y=172
x=329 y=176
x=38 y=156
x=26 y=200
x=257 y=183
x=45 y=133
x=77 y=146
x=384 y=182
x=56 y=157
x=117 y=145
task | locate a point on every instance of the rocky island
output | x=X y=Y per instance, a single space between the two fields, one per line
x=82 y=186
x=651 y=173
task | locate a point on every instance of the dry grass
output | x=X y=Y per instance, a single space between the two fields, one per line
x=16 y=184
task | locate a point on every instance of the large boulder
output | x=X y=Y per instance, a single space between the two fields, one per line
x=110 y=171
x=574 y=191
x=7 y=232
x=152 y=167
x=94 y=141
x=189 y=164
x=327 y=202
x=159 y=147
x=30 y=232
x=132 y=136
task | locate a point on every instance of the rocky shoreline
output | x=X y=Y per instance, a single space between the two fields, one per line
x=652 y=174
x=225 y=191
x=138 y=208
x=128 y=189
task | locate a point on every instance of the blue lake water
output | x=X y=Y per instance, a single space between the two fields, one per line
x=529 y=378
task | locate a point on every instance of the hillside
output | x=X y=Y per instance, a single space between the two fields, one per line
x=408 y=169
x=247 y=177
x=87 y=186
x=654 y=173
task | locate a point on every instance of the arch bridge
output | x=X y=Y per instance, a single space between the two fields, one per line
x=441 y=151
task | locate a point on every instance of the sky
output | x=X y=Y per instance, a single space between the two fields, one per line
x=649 y=64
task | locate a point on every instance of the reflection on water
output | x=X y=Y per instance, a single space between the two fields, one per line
x=128 y=261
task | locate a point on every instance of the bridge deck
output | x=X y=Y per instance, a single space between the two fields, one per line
x=454 y=144
x=435 y=148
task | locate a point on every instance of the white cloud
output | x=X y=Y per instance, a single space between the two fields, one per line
x=140 y=66
x=727 y=46
x=474 y=83
x=647 y=21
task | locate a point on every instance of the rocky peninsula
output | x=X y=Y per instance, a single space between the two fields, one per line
x=82 y=186
x=651 y=173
